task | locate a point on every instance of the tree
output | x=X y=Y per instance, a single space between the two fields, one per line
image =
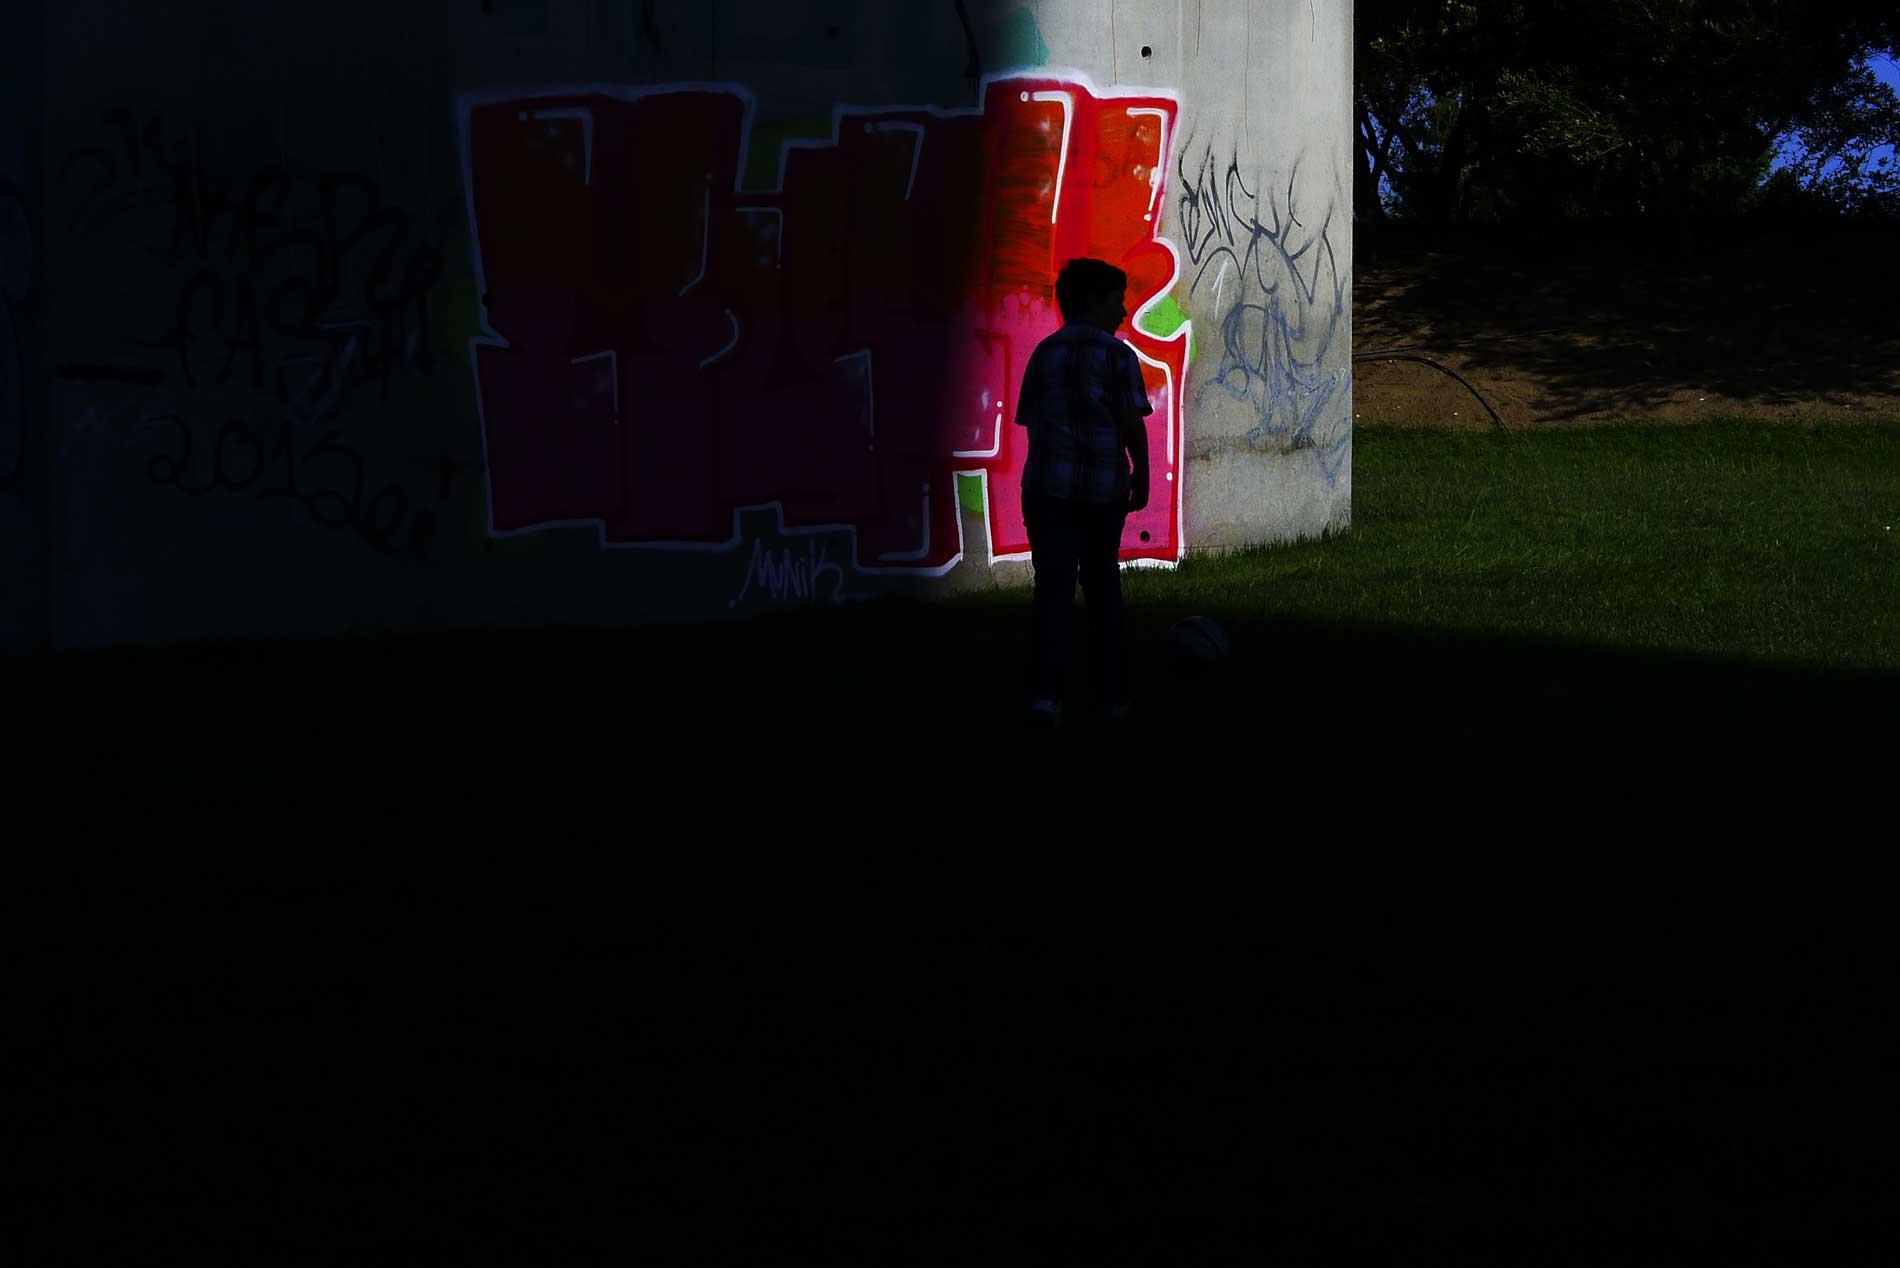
x=1835 y=139
x=1675 y=109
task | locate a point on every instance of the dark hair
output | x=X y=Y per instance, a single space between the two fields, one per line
x=1084 y=283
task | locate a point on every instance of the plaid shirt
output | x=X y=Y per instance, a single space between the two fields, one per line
x=1076 y=381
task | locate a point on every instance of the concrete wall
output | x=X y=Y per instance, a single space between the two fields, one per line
x=24 y=603
x=520 y=312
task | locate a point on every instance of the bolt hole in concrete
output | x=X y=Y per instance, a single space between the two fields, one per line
x=1146 y=51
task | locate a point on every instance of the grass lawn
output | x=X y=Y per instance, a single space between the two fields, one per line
x=1597 y=592
x=1605 y=594
x=1771 y=543
x=472 y=1043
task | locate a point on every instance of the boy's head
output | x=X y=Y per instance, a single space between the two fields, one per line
x=1091 y=292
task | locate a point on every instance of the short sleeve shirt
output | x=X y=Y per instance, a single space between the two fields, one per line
x=1077 y=381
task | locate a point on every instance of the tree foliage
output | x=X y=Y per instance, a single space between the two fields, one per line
x=1483 y=110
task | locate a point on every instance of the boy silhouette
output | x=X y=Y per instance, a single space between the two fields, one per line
x=1083 y=402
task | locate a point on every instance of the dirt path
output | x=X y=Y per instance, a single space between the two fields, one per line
x=1560 y=331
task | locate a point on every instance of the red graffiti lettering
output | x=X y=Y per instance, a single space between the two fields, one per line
x=669 y=348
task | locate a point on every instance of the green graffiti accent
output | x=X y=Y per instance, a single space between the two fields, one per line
x=460 y=302
x=1013 y=40
x=1163 y=320
x=970 y=492
x=768 y=138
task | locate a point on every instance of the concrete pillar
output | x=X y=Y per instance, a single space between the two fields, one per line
x=511 y=312
x=1259 y=204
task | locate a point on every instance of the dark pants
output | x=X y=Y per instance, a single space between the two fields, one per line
x=1069 y=539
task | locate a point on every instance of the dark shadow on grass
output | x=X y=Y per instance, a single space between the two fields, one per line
x=563 y=1063
x=856 y=704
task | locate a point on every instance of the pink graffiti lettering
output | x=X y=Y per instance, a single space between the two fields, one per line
x=668 y=348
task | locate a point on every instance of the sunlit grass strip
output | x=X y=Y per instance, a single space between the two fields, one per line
x=1774 y=542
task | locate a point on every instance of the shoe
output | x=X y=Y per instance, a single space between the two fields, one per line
x=1045 y=712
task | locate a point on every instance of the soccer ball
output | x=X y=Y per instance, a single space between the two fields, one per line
x=1198 y=643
